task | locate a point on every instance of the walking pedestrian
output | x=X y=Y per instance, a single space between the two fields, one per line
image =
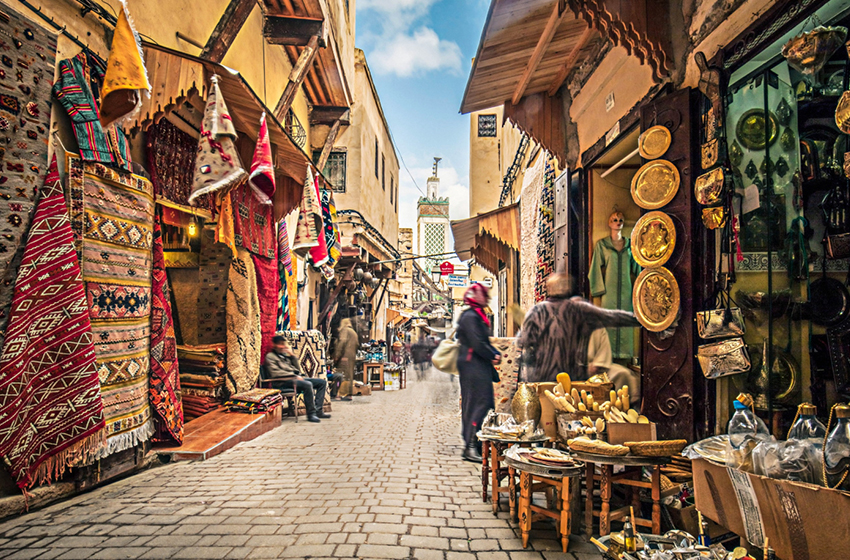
x=475 y=363
x=421 y=357
x=345 y=357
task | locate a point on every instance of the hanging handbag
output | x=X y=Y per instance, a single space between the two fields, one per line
x=721 y=322
x=727 y=357
x=445 y=355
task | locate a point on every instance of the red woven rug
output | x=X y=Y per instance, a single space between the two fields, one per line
x=268 y=286
x=165 y=376
x=52 y=412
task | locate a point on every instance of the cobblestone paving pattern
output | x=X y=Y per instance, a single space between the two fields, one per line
x=381 y=479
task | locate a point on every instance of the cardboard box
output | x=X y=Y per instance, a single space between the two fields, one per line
x=686 y=518
x=547 y=411
x=802 y=521
x=362 y=390
x=619 y=433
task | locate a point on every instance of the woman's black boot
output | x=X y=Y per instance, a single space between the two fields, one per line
x=471 y=453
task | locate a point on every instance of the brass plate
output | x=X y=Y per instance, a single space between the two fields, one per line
x=750 y=129
x=653 y=239
x=656 y=298
x=654 y=142
x=655 y=184
x=714 y=218
x=842 y=113
x=709 y=187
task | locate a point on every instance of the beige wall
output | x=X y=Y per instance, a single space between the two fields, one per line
x=364 y=191
x=489 y=160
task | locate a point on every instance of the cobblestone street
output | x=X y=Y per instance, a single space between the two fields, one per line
x=381 y=479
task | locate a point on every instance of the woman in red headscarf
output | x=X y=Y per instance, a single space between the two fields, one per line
x=475 y=363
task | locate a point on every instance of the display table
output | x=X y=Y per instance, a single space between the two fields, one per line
x=541 y=478
x=631 y=477
x=492 y=457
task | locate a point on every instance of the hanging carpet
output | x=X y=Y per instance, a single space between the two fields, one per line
x=25 y=123
x=253 y=222
x=268 y=289
x=212 y=294
x=545 y=232
x=331 y=230
x=243 y=325
x=171 y=163
x=309 y=219
x=284 y=271
x=117 y=226
x=165 y=376
x=532 y=185
x=49 y=391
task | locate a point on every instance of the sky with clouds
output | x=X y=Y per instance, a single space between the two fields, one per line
x=420 y=53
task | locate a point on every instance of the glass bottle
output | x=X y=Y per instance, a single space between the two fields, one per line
x=807 y=425
x=629 y=537
x=836 y=450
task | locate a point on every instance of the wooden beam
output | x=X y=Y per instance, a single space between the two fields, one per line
x=234 y=17
x=570 y=61
x=328 y=114
x=296 y=77
x=552 y=25
x=329 y=144
x=297 y=31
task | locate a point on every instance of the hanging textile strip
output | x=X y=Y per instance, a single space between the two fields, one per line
x=545 y=232
x=165 y=376
x=284 y=270
x=243 y=325
x=319 y=254
x=253 y=222
x=49 y=391
x=117 y=227
x=330 y=227
x=25 y=122
x=532 y=185
x=268 y=289
x=212 y=293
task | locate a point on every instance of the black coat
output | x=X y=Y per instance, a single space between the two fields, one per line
x=476 y=353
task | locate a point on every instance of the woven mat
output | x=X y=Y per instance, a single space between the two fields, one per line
x=243 y=325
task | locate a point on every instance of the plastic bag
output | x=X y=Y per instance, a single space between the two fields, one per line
x=794 y=459
x=712 y=449
x=503 y=425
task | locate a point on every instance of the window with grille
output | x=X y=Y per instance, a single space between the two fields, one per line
x=376 y=158
x=486 y=126
x=435 y=240
x=383 y=172
x=393 y=197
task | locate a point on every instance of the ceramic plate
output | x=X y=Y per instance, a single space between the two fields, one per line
x=653 y=239
x=656 y=298
x=655 y=184
x=654 y=142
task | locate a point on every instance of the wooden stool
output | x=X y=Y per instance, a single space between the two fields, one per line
x=539 y=478
x=632 y=476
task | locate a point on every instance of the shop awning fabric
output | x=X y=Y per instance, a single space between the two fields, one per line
x=488 y=237
x=178 y=78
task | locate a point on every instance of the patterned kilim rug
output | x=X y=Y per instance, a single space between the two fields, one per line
x=508 y=371
x=253 y=222
x=26 y=82
x=243 y=325
x=212 y=293
x=545 y=232
x=117 y=226
x=268 y=288
x=311 y=350
x=284 y=271
x=49 y=391
x=165 y=375
x=330 y=227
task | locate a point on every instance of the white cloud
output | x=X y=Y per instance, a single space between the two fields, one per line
x=401 y=46
x=407 y=54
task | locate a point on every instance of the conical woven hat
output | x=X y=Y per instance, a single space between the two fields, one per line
x=126 y=77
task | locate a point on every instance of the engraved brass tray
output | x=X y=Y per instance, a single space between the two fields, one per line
x=656 y=298
x=808 y=52
x=655 y=184
x=709 y=187
x=842 y=113
x=750 y=129
x=653 y=239
x=654 y=142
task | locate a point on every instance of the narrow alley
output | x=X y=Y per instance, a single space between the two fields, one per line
x=381 y=479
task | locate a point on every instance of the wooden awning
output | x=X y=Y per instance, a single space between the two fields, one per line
x=488 y=237
x=177 y=78
x=326 y=83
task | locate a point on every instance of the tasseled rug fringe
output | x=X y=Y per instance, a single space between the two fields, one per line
x=115 y=444
x=55 y=466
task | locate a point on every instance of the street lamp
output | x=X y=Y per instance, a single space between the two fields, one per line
x=436 y=275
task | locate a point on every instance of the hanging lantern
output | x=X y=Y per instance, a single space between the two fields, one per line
x=375 y=282
x=367 y=278
x=808 y=52
x=358 y=274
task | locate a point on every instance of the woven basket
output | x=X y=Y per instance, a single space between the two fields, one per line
x=601 y=391
x=599 y=448
x=666 y=448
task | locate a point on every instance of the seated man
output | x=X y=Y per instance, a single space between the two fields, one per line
x=282 y=367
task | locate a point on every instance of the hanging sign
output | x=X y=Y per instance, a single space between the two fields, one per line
x=457 y=281
x=447 y=268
